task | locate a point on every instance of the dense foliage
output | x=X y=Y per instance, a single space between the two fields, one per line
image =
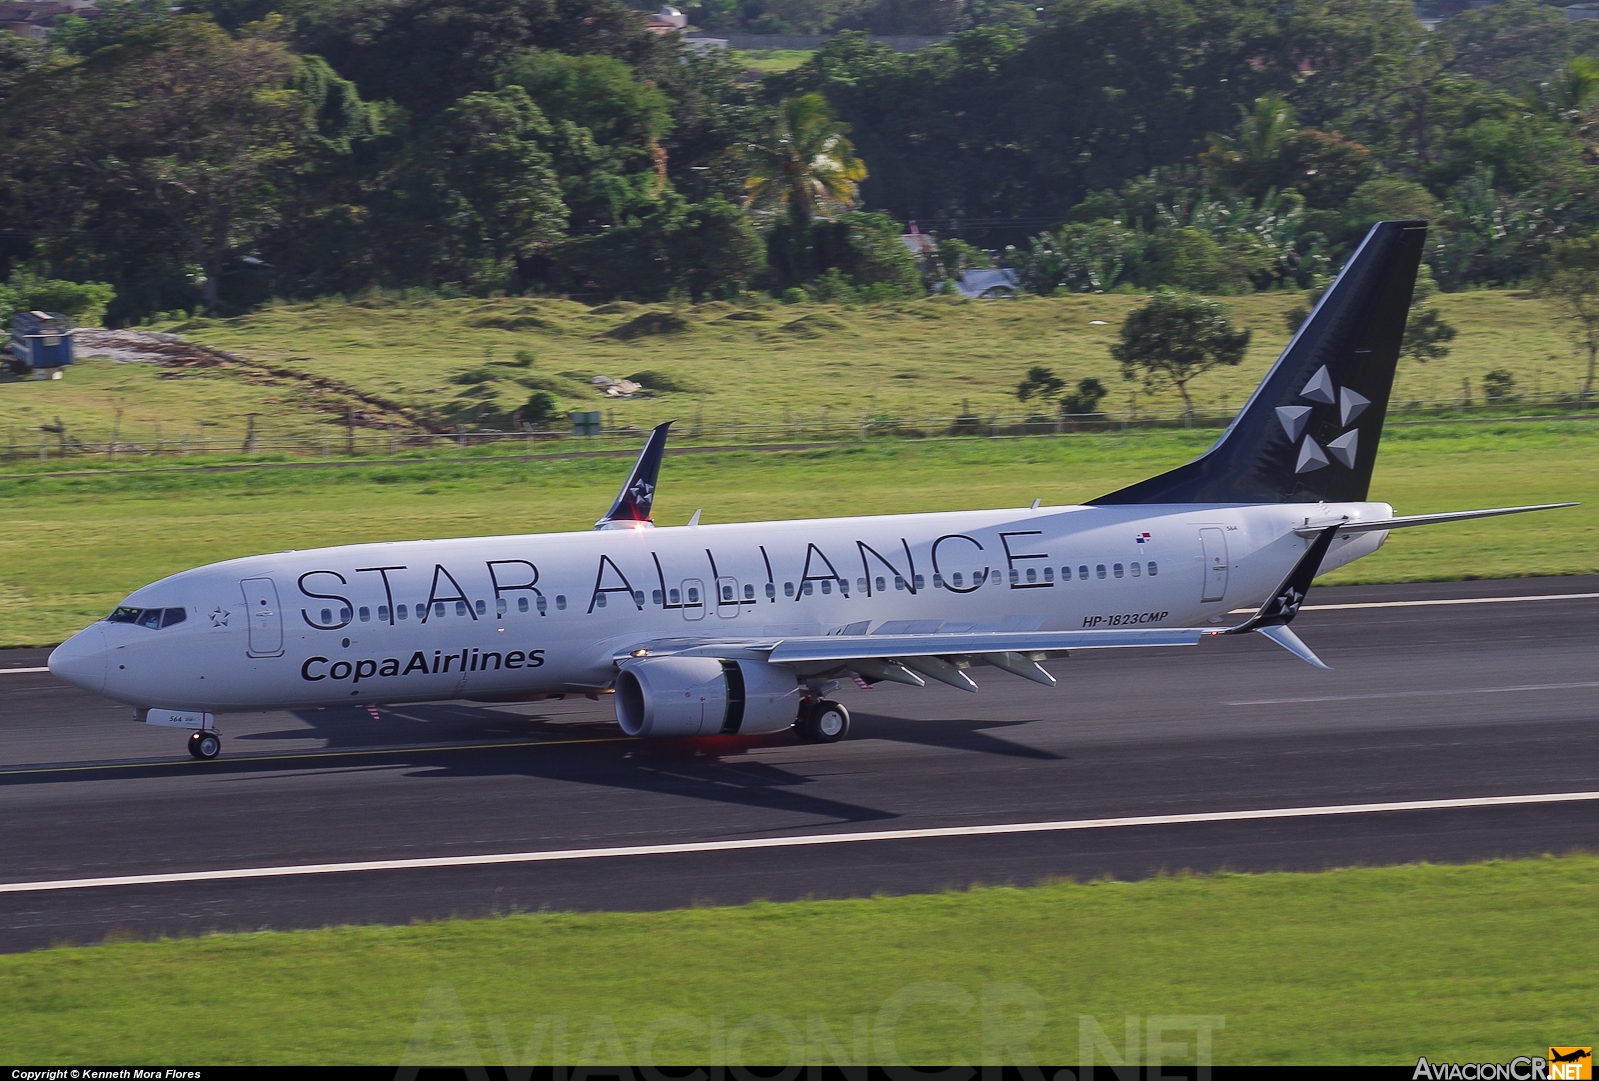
x=230 y=150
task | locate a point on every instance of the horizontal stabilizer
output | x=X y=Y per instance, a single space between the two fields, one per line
x=1285 y=637
x=1423 y=519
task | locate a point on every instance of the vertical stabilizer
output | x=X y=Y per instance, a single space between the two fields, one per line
x=1309 y=433
x=633 y=502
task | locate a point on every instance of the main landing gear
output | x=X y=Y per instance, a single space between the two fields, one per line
x=205 y=745
x=821 y=721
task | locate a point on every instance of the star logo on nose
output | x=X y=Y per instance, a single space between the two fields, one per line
x=1295 y=418
x=219 y=617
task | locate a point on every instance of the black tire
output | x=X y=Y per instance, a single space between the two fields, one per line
x=825 y=722
x=205 y=745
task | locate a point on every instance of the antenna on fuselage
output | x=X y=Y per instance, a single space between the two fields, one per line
x=632 y=507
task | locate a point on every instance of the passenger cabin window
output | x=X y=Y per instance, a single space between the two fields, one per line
x=899 y=582
x=771 y=591
x=693 y=594
x=402 y=611
x=383 y=613
x=366 y=614
x=655 y=597
x=788 y=589
x=1082 y=572
x=881 y=585
x=956 y=578
x=1135 y=570
x=1015 y=576
x=1152 y=568
x=938 y=581
x=344 y=615
x=560 y=602
x=676 y=597
x=921 y=581
x=1100 y=570
x=727 y=594
x=749 y=593
x=1049 y=574
x=438 y=608
x=809 y=588
x=482 y=608
x=460 y=608
x=500 y=606
x=860 y=584
x=638 y=598
x=1032 y=574
x=1117 y=569
x=827 y=585
x=521 y=604
x=327 y=615
x=544 y=606
x=599 y=600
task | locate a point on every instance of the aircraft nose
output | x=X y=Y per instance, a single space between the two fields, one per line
x=81 y=659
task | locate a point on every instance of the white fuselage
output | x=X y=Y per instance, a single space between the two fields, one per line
x=490 y=617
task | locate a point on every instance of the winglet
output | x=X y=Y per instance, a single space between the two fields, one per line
x=632 y=507
x=1274 y=616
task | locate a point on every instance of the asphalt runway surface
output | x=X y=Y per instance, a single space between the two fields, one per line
x=1427 y=702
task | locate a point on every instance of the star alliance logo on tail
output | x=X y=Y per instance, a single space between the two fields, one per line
x=1295 y=418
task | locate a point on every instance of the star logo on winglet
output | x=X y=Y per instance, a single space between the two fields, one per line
x=1295 y=418
x=1288 y=602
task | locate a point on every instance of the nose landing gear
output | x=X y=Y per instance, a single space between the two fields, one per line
x=205 y=745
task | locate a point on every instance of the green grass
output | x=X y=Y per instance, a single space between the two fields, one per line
x=1373 y=965
x=767 y=61
x=74 y=546
x=767 y=364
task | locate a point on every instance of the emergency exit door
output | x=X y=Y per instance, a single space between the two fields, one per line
x=263 y=616
x=1214 y=544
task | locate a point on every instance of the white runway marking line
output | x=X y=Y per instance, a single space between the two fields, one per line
x=560 y=855
x=12 y=671
x=1419 y=604
x=1412 y=694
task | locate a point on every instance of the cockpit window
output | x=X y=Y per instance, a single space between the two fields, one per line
x=153 y=618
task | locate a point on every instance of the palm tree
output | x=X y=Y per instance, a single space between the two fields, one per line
x=806 y=163
x=1247 y=157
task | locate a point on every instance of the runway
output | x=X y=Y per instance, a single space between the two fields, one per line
x=1229 y=755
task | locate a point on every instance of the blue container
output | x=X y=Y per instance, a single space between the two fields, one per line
x=41 y=339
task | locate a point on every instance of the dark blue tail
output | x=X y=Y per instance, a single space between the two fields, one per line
x=1309 y=433
x=633 y=502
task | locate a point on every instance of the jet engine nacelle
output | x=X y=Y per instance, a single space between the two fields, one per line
x=703 y=696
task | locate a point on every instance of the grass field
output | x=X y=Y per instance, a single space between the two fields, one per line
x=1375 y=965
x=770 y=364
x=767 y=61
x=74 y=546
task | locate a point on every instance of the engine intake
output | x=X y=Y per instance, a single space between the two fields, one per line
x=703 y=696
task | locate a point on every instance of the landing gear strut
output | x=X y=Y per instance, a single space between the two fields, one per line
x=822 y=721
x=205 y=745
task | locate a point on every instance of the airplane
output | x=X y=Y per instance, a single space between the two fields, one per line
x=746 y=628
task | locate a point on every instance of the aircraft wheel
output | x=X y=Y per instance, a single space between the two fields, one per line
x=205 y=745
x=824 y=722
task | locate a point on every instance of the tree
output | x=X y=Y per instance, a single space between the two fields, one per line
x=480 y=190
x=177 y=122
x=542 y=407
x=1084 y=401
x=804 y=163
x=1176 y=338
x=1570 y=277
x=1040 y=383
